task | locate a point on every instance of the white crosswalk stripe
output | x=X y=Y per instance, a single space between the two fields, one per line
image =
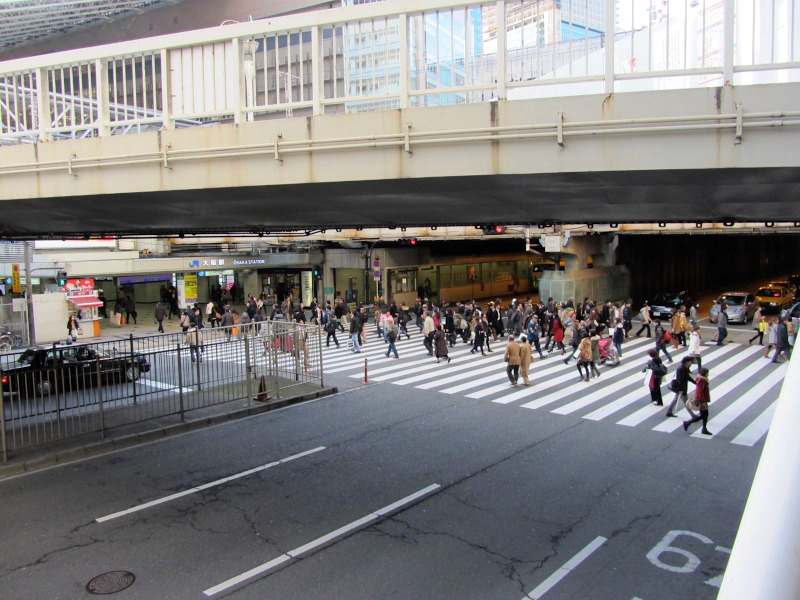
x=757 y=429
x=729 y=414
x=741 y=383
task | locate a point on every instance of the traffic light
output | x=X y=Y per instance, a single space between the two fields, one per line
x=62 y=278
x=316 y=271
x=408 y=242
x=494 y=229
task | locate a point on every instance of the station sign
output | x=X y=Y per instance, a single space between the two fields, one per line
x=15 y=283
x=205 y=263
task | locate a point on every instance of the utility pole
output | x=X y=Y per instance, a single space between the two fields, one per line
x=29 y=294
x=367 y=254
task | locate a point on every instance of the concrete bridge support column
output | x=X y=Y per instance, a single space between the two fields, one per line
x=604 y=281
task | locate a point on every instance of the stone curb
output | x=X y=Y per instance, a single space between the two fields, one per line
x=134 y=439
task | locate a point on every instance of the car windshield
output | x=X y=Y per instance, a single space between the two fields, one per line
x=662 y=299
x=769 y=292
x=27 y=357
x=733 y=300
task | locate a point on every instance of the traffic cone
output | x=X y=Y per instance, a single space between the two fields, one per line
x=263 y=394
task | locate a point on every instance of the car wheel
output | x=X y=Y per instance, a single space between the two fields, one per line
x=43 y=387
x=132 y=373
x=5 y=346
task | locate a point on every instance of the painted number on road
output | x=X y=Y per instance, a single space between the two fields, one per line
x=690 y=560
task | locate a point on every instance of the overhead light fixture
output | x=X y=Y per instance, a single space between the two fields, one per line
x=613 y=225
x=728 y=223
x=662 y=225
x=698 y=225
x=769 y=224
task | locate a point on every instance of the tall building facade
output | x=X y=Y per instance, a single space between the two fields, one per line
x=441 y=48
x=542 y=22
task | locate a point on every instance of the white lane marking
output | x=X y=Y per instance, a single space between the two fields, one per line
x=321 y=541
x=646 y=412
x=757 y=429
x=727 y=416
x=544 y=587
x=206 y=486
x=722 y=390
x=328 y=537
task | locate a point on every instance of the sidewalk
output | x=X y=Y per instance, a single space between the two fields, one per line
x=145 y=326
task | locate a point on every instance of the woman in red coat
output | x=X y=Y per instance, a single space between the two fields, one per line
x=702 y=396
x=558 y=335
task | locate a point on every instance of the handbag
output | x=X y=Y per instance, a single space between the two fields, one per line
x=692 y=403
x=673 y=386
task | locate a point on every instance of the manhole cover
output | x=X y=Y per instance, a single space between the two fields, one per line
x=111 y=582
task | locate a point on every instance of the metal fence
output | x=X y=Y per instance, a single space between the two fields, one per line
x=388 y=55
x=61 y=391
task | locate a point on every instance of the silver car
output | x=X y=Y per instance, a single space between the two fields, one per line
x=741 y=307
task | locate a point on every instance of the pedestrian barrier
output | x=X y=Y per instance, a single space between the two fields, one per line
x=54 y=393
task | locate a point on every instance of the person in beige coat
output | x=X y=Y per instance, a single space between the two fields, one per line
x=527 y=358
x=513 y=357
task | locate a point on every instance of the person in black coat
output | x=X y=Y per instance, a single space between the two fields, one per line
x=130 y=310
x=658 y=371
x=682 y=379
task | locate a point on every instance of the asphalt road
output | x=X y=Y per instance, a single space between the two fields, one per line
x=395 y=491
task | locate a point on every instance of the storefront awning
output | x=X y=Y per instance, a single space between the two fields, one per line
x=85 y=301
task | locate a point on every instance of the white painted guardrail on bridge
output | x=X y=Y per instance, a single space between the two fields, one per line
x=393 y=55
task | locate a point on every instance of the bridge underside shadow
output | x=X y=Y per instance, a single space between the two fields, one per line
x=688 y=195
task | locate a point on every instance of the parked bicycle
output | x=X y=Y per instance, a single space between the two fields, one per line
x=9 y=340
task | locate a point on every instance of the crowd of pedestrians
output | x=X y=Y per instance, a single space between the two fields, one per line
x=588 y=332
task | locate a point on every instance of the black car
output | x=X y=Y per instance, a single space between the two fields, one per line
x=662 y=303
x=45 y=369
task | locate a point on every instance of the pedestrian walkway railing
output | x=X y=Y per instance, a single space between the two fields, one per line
x=762 y=564
x=62 y=391
x=395 y=54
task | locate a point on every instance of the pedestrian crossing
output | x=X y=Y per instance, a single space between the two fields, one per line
x=744 y=384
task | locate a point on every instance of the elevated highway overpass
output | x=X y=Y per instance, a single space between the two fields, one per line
x=188 y=133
